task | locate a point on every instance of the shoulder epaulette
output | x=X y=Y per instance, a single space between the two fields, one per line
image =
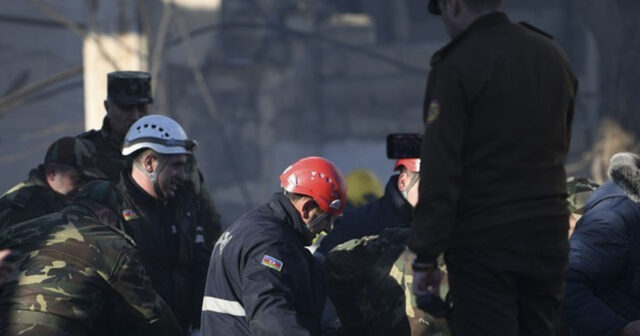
x=536 y=29
x=440 y=55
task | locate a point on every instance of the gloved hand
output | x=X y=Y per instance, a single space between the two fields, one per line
x=426 y=287
x=426 y=279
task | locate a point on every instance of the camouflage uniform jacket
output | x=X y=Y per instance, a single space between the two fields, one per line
x=29 y=199
x=174 y=247
x=422 y=324
x=369 y=282
x=111 y=162
x=77 y=276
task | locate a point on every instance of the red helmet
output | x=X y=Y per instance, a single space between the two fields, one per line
x=412 y=165
x=319 y=179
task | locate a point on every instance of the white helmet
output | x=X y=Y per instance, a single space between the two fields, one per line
x=162 y=134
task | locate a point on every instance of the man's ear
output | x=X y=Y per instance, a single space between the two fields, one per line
x=307 y=207
x=147 y=162
x=403 y=181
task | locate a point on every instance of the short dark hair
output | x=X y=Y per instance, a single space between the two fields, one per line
x=293 y=197
x=58 y=167
x=142 y=152
x=483 y=5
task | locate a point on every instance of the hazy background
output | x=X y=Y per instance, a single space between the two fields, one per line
x=261 y=83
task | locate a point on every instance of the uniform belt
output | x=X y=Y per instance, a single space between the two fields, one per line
x=36 y=317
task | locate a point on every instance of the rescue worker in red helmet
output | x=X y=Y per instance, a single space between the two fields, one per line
x=393 y=209
x=262 y=280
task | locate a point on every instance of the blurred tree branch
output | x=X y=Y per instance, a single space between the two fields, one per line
x=15 y=97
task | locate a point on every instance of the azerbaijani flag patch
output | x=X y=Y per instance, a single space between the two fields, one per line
x=272 y=262
x=129 y=214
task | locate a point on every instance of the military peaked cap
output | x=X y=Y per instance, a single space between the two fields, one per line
x=129 y=87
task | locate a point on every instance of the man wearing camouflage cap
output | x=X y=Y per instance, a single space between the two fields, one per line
x=77 y=274
x=67 y=165
x=579 y=190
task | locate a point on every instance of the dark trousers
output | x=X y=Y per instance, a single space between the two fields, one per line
x=514 y=288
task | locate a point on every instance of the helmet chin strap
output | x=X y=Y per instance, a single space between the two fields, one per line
x=315 y=223
x=153 y=176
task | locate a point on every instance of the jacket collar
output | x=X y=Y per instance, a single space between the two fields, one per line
x=391 y=192
x=37 y=177
x=135 y=192
x=106 y=131
x=624 y=170
x=486 y=21
x=482 y=23
x=282 y=208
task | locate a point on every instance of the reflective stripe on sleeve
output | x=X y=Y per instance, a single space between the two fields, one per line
x=222 y=306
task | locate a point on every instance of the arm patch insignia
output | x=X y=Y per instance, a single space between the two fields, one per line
x=129 y=214
x=272 y=262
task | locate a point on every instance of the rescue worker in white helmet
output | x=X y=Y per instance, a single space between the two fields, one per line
x=161 y=219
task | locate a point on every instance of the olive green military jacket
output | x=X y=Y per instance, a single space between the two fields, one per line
x=109 y=158
x=29 y=199
x=77 y=276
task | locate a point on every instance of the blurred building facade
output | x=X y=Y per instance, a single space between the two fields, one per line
x=259 y=83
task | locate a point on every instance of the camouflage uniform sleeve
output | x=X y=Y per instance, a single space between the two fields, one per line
x=420 y=322
x=27 y=203
x=150 y=314
x=360 y=288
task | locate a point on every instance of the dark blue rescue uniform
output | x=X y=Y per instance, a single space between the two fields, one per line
x=262 y=280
